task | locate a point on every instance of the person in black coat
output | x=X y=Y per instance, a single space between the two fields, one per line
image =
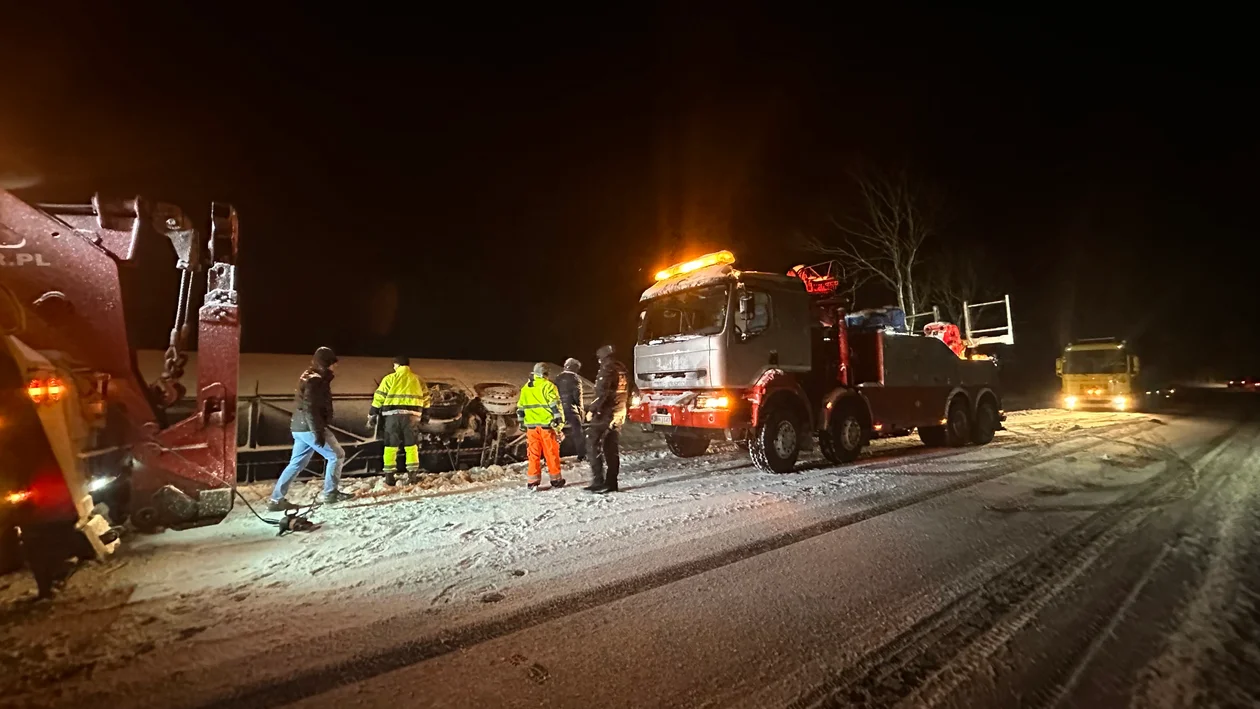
x=608 y=414
x=570 y=385
x=311 y=426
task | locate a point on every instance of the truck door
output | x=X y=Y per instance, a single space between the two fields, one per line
x=751 y=347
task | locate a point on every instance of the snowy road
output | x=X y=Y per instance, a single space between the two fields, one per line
x=1079 y=560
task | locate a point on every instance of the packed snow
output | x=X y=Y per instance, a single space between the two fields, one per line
x=451 y=546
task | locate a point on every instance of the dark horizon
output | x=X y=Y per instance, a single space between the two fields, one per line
x=513 y=188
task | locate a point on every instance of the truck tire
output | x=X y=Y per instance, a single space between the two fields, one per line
x=776 y=442
x=844 y=437
x=986 y=422
x=932 y=436
x=957 y=424
x=687 y=446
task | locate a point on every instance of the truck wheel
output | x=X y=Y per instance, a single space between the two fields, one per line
x=687 y=446
x=932 y=436
x=986 y=422
x=776 y=443
x=844 y=438
x=957 y=425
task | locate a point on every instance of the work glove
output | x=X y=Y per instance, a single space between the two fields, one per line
x=559 y=435
x=372 y=422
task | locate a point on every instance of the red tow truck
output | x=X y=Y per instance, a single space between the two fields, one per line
x=87 y=443
x=773 y=361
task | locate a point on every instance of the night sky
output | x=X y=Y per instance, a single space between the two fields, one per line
x=503 y=188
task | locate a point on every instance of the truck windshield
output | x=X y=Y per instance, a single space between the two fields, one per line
x=1095 y=362
x=683 y=315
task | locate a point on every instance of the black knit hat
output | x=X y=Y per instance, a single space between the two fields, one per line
x=402 y=361
x=604 y=352
x=325 y=357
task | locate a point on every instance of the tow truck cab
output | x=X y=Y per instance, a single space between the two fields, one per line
x=1098 y=374
x=769 y=361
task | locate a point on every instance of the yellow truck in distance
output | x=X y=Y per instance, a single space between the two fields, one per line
x=1098 y=374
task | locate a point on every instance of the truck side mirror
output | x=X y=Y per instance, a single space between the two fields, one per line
x=1058 y=367
x=745 y=304
x=1137 y=366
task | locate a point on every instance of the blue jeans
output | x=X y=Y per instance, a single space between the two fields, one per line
x=304 y=447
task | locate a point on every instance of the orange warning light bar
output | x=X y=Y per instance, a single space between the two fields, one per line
x=695 y=264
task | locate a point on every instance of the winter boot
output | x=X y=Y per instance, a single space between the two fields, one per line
x=332 y=498
x=532 y=487
x=558 y=483
x=391 y=479
x=280 y=505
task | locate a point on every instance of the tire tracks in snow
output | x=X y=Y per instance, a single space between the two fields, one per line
x=320 y=679
x=925 y=663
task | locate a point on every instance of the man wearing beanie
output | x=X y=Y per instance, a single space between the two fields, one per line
x=310 y=425
x=608 y=414
x=401 y=398
x=570 y=385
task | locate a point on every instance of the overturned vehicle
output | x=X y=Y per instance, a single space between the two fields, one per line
x=471 y=422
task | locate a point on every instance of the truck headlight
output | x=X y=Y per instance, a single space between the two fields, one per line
x=97 y=484
x=635 y=400
x=1069 y=402
x=1120 y=402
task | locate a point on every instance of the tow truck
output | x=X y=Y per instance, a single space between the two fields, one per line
x=773 y=361
x=88 y=445
x=1099 y=373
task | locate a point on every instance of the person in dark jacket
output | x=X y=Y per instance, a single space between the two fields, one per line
x=310 y=425
x=570 y=385
x=608 y=414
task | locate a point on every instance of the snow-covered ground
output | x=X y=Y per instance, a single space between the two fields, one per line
x=462 y=546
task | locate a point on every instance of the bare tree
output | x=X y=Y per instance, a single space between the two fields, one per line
x=950 y=282
x=886 y=242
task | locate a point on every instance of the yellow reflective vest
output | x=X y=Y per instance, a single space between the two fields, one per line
x=539 y=404
x=400 y=392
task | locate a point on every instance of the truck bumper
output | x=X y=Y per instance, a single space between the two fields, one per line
x=676 y=409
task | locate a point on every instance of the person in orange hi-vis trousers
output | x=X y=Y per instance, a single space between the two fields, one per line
x=539 y=412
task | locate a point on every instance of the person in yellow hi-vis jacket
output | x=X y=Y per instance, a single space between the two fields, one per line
x=401 y=398
x=541 y=415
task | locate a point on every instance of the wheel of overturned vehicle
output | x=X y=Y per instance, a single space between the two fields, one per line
x=776 y=442
x=687 y=445
x=145 y=519
x=844 y=438
x=986 y=422
x=957 y=424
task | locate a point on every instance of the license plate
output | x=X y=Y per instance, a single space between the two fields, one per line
x=662 y=419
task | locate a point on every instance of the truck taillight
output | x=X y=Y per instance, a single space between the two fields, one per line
x=17 y=498
x=45 y=390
